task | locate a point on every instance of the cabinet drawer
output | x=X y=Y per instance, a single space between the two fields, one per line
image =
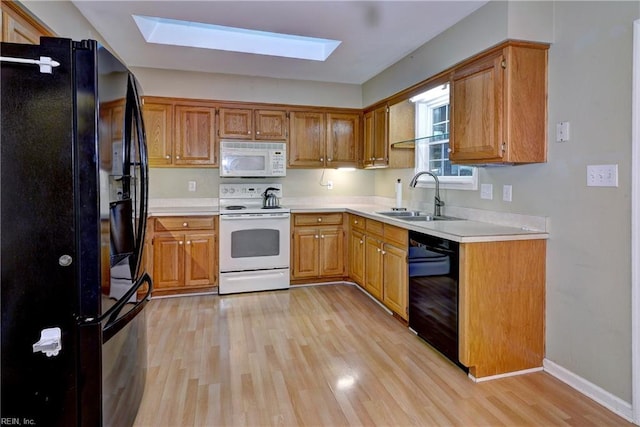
x=318 y=219
x=184 y=223
x=375 y=227
x=396 y=235
x=357 y=222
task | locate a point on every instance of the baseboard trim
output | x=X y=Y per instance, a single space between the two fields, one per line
x=505 y=375
x=598 y=394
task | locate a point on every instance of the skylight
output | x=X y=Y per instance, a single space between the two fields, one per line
x=209 y=36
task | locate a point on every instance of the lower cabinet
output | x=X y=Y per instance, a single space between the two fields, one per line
x=317 y=247
x=184 y=255
x=378 y=262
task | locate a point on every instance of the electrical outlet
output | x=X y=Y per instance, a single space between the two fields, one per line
x=329 y=185
x=602 y=175
x=192 y=186
x=506 y=193
x=486 y=191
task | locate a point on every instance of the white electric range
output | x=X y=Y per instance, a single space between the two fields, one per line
x=254 y=241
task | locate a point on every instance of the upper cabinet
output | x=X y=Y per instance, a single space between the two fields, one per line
x=249 y=124
x=324 y=139
x=19 y=27
x=376 y=150
x=499 y=106
x=180 y=132
x=382 y=127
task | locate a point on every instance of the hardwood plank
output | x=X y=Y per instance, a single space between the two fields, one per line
x=325 y=356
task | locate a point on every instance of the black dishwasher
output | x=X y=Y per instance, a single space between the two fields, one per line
x=433 y=292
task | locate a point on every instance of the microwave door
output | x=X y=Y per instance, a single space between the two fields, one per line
x=245 y=164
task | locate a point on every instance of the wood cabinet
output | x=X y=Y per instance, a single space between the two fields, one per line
x=499 y=106
x=376 y=138
x=378 y=262
x=180 y=133
x=357 y=249
x=253 y=124
x=501 y=306
x=318 y=139
x=317 y=247
x=18 y=26
x=184 y=255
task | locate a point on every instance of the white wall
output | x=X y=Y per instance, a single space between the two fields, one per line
x=588 y=263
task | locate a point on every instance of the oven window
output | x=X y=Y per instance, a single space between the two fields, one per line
x=255 y=243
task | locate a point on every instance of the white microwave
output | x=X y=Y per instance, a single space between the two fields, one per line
x=253 y=159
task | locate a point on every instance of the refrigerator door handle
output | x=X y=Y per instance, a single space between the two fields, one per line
x=133 y=112
x=116 y=323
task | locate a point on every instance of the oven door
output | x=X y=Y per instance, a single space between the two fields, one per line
x=254 y=242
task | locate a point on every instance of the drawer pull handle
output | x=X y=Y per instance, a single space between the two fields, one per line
x=319 y=219
x=185 y=224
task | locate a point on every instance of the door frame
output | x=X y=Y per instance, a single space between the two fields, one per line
x=635 y=225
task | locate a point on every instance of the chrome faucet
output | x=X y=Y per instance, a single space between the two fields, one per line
x=437 y=202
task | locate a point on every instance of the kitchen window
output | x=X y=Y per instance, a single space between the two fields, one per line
x=432 y=142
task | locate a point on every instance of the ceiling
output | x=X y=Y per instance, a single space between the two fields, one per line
x=374 y=34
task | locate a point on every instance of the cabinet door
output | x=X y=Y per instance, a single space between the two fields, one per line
x=194 y=141
x=199 y=259
x=17 y=27
x=343 y=134
x=331 y=252
x=271 y=125
x=373 y=267
x=376 y=138
x=477 y=111
x=158 y=124
x=395 y=279
x=306 y=253
x=236 y=123
x=168 y=261
x=356 y=257
x=307 y=139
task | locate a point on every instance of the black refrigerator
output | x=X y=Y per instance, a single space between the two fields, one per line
x=74 y=189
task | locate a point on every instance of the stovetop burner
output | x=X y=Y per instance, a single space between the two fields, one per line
x=235 y=207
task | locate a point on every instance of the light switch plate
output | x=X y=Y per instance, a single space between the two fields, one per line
x=506 y=193
x=486 y=191
x=602 y=175
x=562 y=131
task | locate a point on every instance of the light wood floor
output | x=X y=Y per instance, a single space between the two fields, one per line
x=326 y=356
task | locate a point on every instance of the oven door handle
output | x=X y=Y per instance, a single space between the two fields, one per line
x=253 y=217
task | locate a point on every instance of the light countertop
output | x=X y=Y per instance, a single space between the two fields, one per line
x=463 y=231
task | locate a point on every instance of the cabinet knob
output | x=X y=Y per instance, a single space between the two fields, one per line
x=185 y=224
x=361 y=242
x=180 y=242
x=257 y=132
x=378 y=249
x=316 y=236
x=188 y=242
x=322 y=236
x=319 y=219
x=178 y=157
x=167 y=156
x=322 y=159
x=449 y=150
x=355 y=222
x=329 y=159
x=384 y=252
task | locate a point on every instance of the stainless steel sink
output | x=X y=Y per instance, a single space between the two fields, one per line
x=430 y=218
x=416 y=216
x=400 y=214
